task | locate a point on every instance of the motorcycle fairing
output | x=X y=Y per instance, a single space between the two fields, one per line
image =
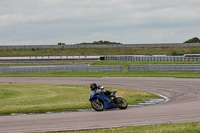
x=108 y=104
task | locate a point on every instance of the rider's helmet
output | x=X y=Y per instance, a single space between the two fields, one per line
x=93 y=86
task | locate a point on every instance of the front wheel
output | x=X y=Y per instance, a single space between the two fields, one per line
x=97 y=104
x=121 y=103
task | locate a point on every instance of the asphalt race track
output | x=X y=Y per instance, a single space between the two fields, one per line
x=183 y=106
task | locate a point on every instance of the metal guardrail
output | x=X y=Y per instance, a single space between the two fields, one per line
x=101 y=46
x=153 y=58
x=49 y=57
x=43 y=59
x=166 y=68
x=108 y=68
x=36 y=69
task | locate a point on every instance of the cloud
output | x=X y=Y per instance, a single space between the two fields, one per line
x=127 y=21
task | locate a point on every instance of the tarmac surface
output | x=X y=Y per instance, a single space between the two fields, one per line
x=183 y=105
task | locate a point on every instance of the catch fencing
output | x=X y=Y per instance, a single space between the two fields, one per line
x=36 y=69
x=166 y=68
x=143 y=58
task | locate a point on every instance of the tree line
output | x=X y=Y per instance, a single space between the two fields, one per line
x=192 y=40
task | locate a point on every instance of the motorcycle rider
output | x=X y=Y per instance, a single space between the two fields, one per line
x=94 y=88
x=99 y=98
x=99 y=89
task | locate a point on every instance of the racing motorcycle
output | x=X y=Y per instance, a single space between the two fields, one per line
x=101 y=99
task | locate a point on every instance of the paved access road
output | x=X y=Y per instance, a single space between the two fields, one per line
x=183 y=106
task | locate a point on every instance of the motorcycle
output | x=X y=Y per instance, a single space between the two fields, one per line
x=101 y=100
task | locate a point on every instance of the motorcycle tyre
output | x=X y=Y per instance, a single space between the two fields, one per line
x=94 y=107
x=122 y=106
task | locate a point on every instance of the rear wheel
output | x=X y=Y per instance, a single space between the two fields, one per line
x=121 y=103
x=97 y=104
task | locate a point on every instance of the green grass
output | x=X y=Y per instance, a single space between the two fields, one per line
x=99 y=51
x=105 y=74
x=26 y=98
x=192 y=127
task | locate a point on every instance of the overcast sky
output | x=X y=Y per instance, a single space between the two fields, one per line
x=47 y=22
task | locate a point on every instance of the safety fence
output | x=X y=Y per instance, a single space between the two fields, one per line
x=37 y=69
x=107 y=68
x=166 y=68
x=161 y=58
x=44 y=61
x=47 y=59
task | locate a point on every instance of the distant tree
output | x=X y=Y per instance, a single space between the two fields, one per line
x=60 y=43
x=101 y=42
x=193 y=40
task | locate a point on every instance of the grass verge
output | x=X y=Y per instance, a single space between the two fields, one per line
x=39 y=98
x=99 y=51
x=105 y=74
x=192 y=127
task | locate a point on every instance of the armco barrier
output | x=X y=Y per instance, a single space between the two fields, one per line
x=161 y=58
x=22 y=69
x=166 y=68
x=39 y=59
